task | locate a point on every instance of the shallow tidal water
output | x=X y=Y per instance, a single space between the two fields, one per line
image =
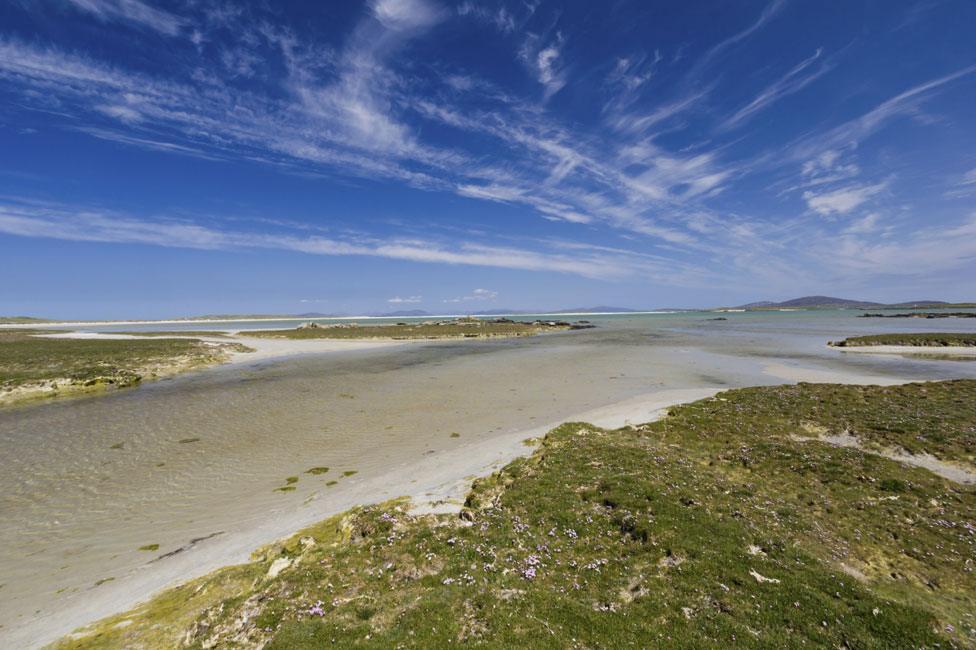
x=193 y=463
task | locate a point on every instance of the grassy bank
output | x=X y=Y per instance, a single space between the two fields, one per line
x=33 y=367
x=912 y=339
x=728 y=523
x=177 y=333
x=452 y=329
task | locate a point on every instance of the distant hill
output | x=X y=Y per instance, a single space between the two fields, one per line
x=21 y=320
x=825 y=302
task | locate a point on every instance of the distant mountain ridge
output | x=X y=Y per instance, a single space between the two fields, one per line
x=809 y=302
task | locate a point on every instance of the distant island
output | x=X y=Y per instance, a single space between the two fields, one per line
x=830 y=302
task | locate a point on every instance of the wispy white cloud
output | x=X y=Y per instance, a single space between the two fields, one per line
x=924 y=252
x=501 y=18
x=712 y=54
x=401 y=15
x=543 y=59
x=477 y=295
x=843 y=200
x=647 y=187
x=92 y=225
x=132 y=11
x=852 y=132
x=792 y=82
x=962 y=186
x=867 y=224
x=397 y=300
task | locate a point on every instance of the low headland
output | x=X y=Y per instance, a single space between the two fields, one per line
x=740 y=519
x=928 y=339
x=923 y=314
x=934 y=345
x=33 y=366
x=458 y=328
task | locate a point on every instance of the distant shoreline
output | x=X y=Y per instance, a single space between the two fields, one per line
x=177 y=321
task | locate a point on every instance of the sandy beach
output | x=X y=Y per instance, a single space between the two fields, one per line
x=914 y=350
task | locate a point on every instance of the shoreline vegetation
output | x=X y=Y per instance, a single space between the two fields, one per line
x=923 y=314
x=914 y=339
x=460 y=328
x=36 y=367
x=38 y=364
x=737 y=519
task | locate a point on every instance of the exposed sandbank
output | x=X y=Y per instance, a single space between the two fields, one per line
x=914 y=350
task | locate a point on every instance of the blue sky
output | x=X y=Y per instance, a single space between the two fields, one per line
x=185 y=157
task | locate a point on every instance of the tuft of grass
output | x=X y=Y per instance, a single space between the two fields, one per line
x=714 y=527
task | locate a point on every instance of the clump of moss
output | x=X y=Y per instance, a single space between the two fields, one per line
x=291 y=479
x=149 y=547
x=455 y=434
x=285 y=488
x=315 y=471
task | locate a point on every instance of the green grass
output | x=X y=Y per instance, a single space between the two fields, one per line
x=21 y=320
x=446 y=329
x=914 y=339
x=85 y=364
x=715 y=527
